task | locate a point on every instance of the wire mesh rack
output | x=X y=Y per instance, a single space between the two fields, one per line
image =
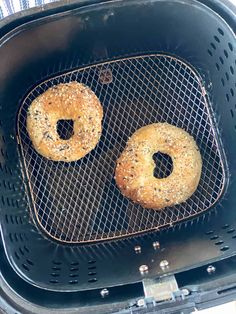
x=79 y=202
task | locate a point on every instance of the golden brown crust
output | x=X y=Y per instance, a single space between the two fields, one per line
x=135 y=167
x=70 y=101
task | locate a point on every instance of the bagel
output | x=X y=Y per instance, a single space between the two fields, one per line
x=70 y=101
x=134 y=172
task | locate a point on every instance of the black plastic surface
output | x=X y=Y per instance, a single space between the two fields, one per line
x=84 y=36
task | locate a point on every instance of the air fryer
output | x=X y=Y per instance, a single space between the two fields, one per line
x=70 y=240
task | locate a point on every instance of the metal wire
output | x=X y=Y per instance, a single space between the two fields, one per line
x=79 y=201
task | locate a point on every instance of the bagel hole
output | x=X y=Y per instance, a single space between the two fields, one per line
x=65 y=129
x=164 y=165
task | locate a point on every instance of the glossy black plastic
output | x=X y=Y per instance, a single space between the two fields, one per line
x=62 y=41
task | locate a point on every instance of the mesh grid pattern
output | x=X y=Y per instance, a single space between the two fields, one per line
x=79 y=201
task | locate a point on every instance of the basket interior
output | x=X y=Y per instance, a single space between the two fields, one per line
x=80 y=202
x=85 y=37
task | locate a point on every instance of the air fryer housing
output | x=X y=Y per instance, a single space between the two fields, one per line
x=68 y=37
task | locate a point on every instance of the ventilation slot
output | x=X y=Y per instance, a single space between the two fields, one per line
x=29 y=262
x=21 y=251
x=16 y=237
x=74 y=263
x=213 y=46
x=17 y=255
x=231 y=230
x=74 y=275
x=219 y=242
x=225 y=226
x=8 y=202
x=21 y=237
x=92 y=280
x=221 y=31
x=11 y=237
x=209 y=232
x=209 y=52
x=216 y=39
x=230 y=47
x=224 y=248
x=12 y=220
x=74 y=269
x=26 y=249
x=55 y=274
x=73 y=282
x=25 y=267
x=3 y=200
x=226 y=54
x=56 y=268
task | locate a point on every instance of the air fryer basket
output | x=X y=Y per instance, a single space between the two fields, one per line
x=87 y=45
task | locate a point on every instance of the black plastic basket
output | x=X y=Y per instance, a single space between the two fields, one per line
x=90 y=35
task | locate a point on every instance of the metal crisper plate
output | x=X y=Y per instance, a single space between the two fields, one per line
x=79 y=201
